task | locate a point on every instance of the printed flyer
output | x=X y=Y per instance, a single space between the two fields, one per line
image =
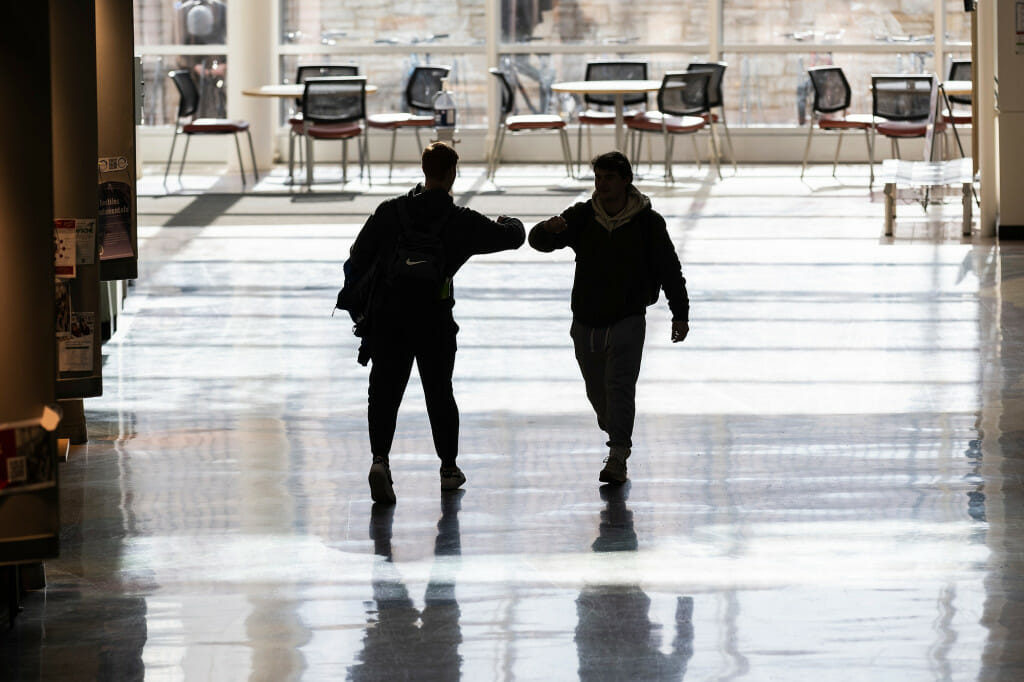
x=26 y=458
x=64 y=240
x=75 y=350
x=115 y=220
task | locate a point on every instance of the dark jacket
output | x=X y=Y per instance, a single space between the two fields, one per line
x=618 y=273
x=465 y=233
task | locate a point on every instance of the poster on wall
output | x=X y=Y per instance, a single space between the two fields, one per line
x=75 y=347
x=26 y=458
x=85 y=231
x=65 y=240
x=115 y=220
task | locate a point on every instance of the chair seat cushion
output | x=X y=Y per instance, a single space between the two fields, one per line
x=958 y=119
x=399 y=120
x=593 y=117
x=208 y=126
x=330 y=131
x=295 y=118
x=848 y=122
x=534 y=122
x=902 y=128
x=709 y=117
x=652 y=120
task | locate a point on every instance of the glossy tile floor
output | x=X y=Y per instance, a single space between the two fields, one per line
x=826 y=479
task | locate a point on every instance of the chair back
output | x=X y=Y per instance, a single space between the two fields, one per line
x=904 y=97
x=717 y=70
x=336 y=99
x=960 y=70
x=684 y=93
x=831 y=89
x=188 y=102
x=424 y=83
x=508 y=94
x=615 y=71
x=304 y=73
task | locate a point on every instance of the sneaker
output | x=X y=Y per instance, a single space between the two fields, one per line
x=452 y=478
x=381 y=489
x=615 y=466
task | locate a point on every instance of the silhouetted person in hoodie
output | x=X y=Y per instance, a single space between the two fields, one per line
x=411 y=311
x=624 y=257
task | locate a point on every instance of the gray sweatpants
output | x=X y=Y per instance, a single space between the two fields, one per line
x=609 y=359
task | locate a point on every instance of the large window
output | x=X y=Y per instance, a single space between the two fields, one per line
x=768 y=45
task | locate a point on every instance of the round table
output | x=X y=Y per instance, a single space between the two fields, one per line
x=619 y=89
x=286 y=90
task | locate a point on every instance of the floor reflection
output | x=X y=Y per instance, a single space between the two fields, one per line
x=401 y=641
x=615 y=637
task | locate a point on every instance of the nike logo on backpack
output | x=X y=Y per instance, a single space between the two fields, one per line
x=414 y=262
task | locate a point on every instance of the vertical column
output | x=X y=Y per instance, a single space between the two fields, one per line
x=27 y=366
x=73 y=92
x=1009 y=65
x=115 y=98
x=252 y=36
x=985 y=119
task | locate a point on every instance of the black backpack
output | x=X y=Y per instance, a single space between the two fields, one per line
x=415 y=273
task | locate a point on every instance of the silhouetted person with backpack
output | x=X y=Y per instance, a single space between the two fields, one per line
x=624 y=257
x=415 y=244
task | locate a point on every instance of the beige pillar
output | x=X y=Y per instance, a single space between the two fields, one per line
x=251 y=35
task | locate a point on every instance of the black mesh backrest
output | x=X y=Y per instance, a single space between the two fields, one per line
x=902 y=97
x=684 y=93
x=508 y=95
x=338 y=99
x=960 y=70
x=308 y=71
x=188 y=104
x=424 y=83
x=831 y=89
x=615 y=71
x=717 y=70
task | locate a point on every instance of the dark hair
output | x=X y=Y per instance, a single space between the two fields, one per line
x=438 y=160
x=616 y=162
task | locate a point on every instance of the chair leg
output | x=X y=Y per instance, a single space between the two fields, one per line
x=567 y=151
x=391 y=161
x=291 y=157
x=366 y=156
x=252 y=155
x=807 y=147
x=835 y=159
x=728 y=140
x=716 y=155
x=895 y=148
x=309 y=163
x=499 y=140
x=241 y=166
x=344 y=161
x=184 y=153
x=579 y=149
x=871 y=157
x=170 y=156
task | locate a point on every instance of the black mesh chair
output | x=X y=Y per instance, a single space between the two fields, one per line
x=832 y=96
x=682 y=103
x=600 y=109
x=523 y=123
x=960 y=112
x=333 y=109
x=903 y=107
x=712 y=117
x=302 y=74
x=187 y=124
x=424 y=83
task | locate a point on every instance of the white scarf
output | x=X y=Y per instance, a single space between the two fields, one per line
x=635 y=202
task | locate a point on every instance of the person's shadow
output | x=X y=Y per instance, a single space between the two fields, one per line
x=615 y=638
x=401 y=642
